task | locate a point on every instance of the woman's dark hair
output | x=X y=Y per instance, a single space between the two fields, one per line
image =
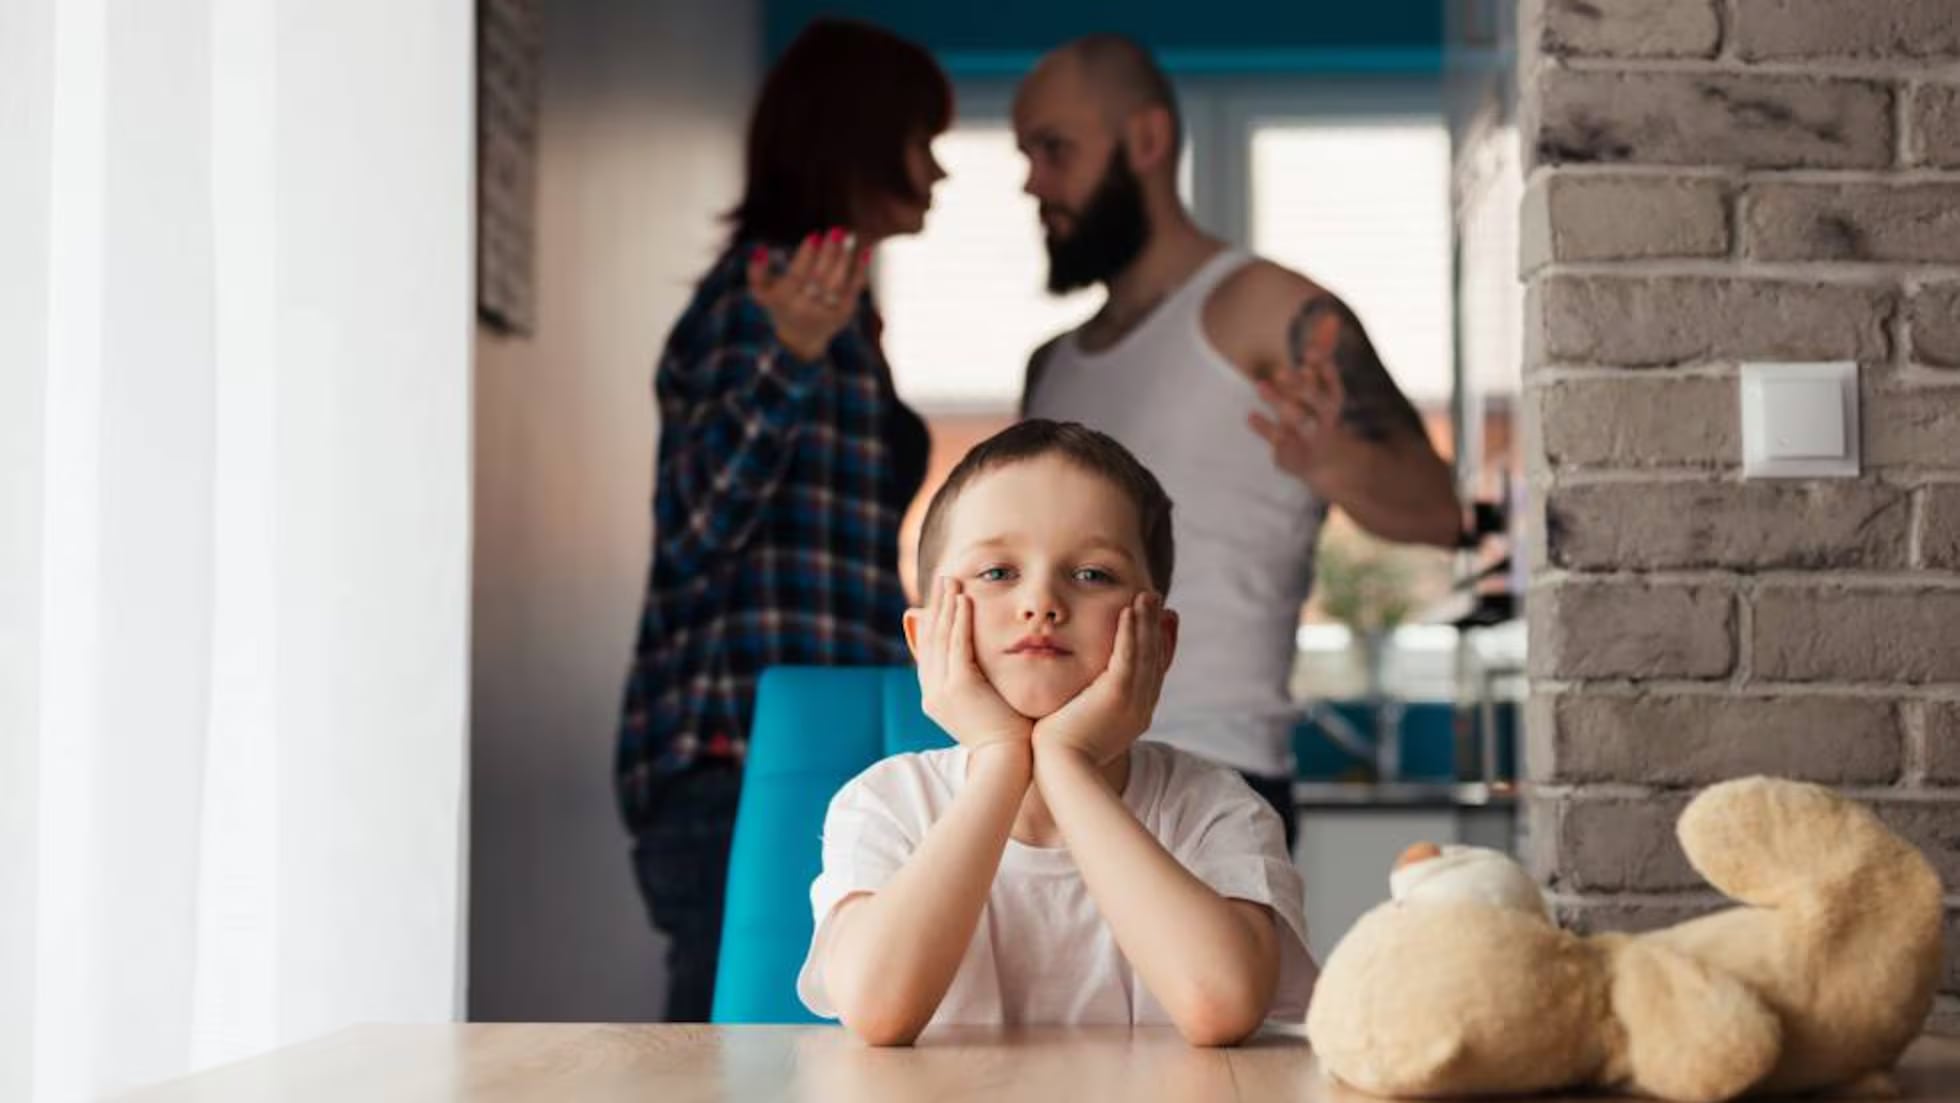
x=831 y=126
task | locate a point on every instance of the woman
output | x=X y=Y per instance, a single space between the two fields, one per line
x=786 y=460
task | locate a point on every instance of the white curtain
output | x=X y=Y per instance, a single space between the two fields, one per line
x=235 y=327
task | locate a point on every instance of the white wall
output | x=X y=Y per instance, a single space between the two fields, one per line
x=234 y=416
x=644 y=108
x=26 y=97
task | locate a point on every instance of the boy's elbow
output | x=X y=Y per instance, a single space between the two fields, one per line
x=883 y=1026
x=879 y=1017
x=1220 y=1015
x=1217 y=1026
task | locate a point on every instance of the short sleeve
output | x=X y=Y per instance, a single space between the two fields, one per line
x=866 y=841
x=1233 y=841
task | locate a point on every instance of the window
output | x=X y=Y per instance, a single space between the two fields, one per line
x=1363 y=207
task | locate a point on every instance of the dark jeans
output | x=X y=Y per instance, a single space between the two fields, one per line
x=681 y=861
x=1278 y=792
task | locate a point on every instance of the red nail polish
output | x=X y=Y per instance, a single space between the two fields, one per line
x=836 y=234
x=811 y=240
x=864 y=255
x=756 y=254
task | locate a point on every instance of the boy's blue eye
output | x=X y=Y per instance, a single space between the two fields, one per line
x=1093 y=574
x=994 y=574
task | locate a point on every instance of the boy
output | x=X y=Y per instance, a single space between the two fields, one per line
x=1049 y=868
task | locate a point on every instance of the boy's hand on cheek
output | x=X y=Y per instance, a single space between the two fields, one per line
x=953 y=689
x=1111 y=712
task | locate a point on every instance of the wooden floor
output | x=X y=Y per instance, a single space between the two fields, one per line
x=684 y=1064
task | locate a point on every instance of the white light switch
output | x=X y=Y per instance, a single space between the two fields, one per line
x=1799 y=420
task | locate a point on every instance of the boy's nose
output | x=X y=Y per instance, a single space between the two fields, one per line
x=1043 y=607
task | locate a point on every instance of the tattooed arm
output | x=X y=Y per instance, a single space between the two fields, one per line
x=1340 y=425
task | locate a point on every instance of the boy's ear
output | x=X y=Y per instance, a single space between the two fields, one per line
x=911 y=622
x=1170 y=636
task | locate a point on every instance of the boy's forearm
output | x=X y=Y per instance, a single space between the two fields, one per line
x=1195 y=950
x=891 y=961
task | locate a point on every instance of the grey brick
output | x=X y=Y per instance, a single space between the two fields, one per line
x=1753 y=525
x=1934 y=314
x=1654 y=320
x=1911 y=222
x=1570 y=217
x=1629 y=28
x=1642 y=422
x=1939 y=532
x=1699 y=739
x=1912 y=427
x=1944 y=1020
x=1751 y=120
x=1950 y=980
x=1933 y=130
x=1765 y=30
x=1584 y=843
x=1942 y=743
x=1856 y=633
x=1631 y=629
x=1594 y=915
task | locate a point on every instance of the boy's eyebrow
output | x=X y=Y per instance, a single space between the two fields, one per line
x=1110 y=546
x=1095 y=544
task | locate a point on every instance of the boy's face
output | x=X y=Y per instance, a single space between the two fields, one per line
x=1050 y=554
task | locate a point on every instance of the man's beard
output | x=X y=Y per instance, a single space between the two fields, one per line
x=1110 y=231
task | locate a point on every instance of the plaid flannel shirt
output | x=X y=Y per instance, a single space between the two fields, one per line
x=779 y=492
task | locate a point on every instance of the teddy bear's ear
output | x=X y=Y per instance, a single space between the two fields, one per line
x=1694 y=1034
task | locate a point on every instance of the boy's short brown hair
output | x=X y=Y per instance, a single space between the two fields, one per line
x=1094 y=452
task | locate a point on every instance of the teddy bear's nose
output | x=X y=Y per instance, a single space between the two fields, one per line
x=1418 y=852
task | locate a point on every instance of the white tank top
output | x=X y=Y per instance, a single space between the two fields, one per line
x=1245 y=530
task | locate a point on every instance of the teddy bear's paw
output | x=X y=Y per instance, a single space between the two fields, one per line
x=1694 y=1034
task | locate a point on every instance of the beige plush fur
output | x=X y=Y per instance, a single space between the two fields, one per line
x=1820 y=976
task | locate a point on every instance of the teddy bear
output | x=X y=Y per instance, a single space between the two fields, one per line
x=1461 y=984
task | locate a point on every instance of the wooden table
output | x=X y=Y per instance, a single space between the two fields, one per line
x=682 y=1064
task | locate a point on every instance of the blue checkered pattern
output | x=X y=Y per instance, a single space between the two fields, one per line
x=776 y=515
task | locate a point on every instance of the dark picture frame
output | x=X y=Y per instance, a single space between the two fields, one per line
x=508 y=48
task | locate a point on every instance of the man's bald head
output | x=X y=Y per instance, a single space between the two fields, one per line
x=1119 y=71
x=1098 y=124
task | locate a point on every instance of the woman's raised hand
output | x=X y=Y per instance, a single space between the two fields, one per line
x=811 y=300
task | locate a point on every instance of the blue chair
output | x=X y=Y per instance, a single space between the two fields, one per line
x=815 y=729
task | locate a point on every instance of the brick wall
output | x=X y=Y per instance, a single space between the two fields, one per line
x=1710 y=182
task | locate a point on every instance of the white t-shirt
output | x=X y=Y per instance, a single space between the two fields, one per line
x=1042 y=952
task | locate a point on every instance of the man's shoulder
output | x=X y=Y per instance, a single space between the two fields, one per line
x=1042 y=351
x=1246 y=315
x=1262 y=285
x=1038 y=368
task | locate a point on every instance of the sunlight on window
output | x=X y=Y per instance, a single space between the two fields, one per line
x=1363 y=208
x=965 y=302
